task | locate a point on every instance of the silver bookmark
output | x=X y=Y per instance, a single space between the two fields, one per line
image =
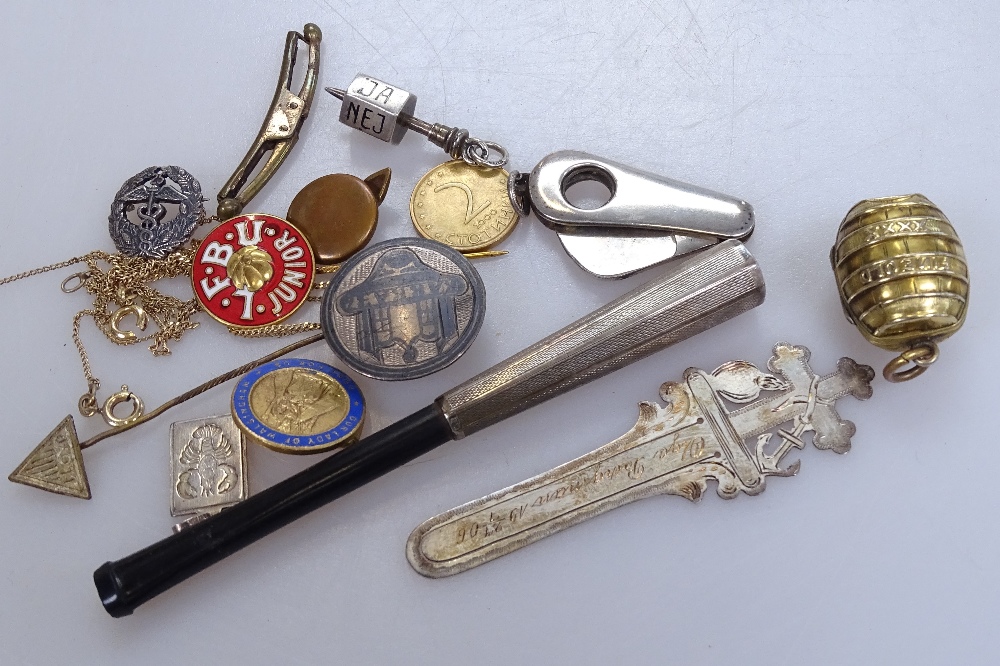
x=674 y=449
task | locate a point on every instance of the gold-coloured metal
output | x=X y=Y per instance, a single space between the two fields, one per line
x=68 y=285
x=463 y=206
x=127 y=337
x=123 y=396
x=902 y=277
x=298 y=401
x=56 y=464
x=339 y=213
x=921 y=356
x=48 y=465
x=300 y=407
x=378 y=183
x=281 y=126
x=250 y=268
x=485 y=254
x=88 y=401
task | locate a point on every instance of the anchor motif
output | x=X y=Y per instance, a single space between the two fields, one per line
x=672 y=449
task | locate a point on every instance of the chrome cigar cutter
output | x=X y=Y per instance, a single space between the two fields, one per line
x=726 y=426
x=648 y=219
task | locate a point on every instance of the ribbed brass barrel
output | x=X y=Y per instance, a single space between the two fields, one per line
x=901 y=273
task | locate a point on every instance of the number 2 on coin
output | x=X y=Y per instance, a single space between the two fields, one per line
x=470 y=212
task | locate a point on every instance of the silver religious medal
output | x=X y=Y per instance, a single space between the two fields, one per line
x=155 y=212
x=207 y=466
x=403 y=309
x=648 y=219
x=713 y=426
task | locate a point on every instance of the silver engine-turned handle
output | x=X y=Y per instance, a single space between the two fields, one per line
x=693 y=294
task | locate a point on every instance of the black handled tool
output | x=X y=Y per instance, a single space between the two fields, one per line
x=696 y=292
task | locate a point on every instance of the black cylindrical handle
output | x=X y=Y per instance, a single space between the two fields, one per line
x=126 y=584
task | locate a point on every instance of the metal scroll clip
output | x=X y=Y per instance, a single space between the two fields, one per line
x=281 y=126
x=647 y=220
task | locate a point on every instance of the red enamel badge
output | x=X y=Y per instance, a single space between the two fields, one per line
x=253 y=270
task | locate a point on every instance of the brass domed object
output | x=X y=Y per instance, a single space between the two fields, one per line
x=902 y=277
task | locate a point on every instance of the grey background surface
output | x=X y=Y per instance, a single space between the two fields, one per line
x=885 y=555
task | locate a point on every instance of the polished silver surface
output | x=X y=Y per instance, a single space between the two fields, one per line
x=695 y=293
x=155 y=212
x=617 y=253
x=374 y=107
x=647 y=220
x=386 y=112
x=207 y=465
x=403 y=308
x=639 y=200
x=701 y=433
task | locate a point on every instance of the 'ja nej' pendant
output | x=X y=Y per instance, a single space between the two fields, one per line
x=673 y=450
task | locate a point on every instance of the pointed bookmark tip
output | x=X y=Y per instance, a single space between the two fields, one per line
x=56 y=464
x=336 y=92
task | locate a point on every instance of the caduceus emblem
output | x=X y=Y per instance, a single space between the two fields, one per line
x=164 y=204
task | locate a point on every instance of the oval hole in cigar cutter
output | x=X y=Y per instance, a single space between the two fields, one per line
x=648 y=219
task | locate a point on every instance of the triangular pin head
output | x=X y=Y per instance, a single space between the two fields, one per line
x=378 y=183
x=56 y=465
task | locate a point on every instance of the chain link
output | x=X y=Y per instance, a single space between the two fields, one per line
x=274 y=330
x=121 y=285
x=43 y=269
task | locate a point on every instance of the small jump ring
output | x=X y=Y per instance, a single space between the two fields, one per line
x=88 y=401
x=481 y=156
x=87 y=404
x=920 y=355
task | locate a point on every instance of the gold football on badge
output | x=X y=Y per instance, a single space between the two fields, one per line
x=250 y=268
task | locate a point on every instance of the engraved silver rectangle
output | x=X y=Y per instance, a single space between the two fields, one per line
x=207 y=465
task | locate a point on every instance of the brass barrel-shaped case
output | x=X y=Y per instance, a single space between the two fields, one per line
x=901 y=272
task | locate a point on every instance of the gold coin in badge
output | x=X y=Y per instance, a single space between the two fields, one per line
x=463 y=206
x=299 y=406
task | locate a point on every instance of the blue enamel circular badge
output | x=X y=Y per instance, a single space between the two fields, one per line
x=298 y=405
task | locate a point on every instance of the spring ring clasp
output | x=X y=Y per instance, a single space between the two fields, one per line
x=108 y=410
